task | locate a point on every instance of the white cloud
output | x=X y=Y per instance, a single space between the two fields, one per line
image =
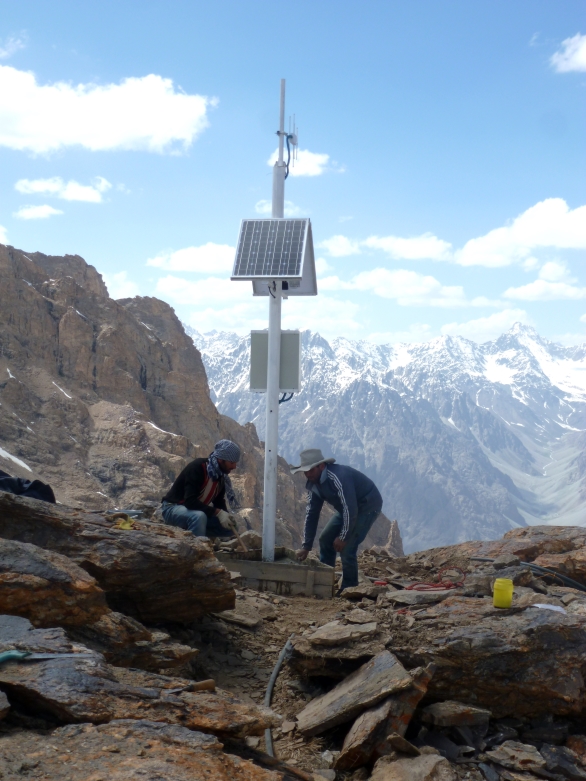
x=408 y=288
x=550 y=223
x=485 y=329
x=147 y=113
x=307 y=163
x=11 y=45
x=266 y=208
x=322 y=265
x=222 y=304
x=555 y=271
x=569 y=339
x=340 y=246
x=554 y=283
x=572 y=56
x=327 y=316
x=67 y=191
x=119 y=286
x=204 y=291
x=417 y=332
x=335 y=283
x=36 y=212
x=209 y=258
x=426 y=246
x=542 y=290
x=3 y=235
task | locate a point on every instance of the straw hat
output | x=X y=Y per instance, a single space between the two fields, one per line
x=309 y=459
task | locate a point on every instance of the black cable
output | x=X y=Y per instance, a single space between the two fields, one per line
x=284 y=399
x=285 y=654
x=541 y=571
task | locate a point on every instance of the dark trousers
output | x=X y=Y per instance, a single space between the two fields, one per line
x=327 y=554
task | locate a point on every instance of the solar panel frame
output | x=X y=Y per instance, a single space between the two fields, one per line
x=271 y=249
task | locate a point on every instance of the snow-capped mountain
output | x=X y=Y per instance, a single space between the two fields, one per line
x=465 y=441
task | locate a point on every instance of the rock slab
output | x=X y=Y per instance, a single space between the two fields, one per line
x=125 y=642
x=47 y=588
x=374 y=681
x=336 y=633
x=372 y=734
x=153 y=572
x=123 y=750
x=455 y=714
x=70 y=690
x=429 y=767
x=518 y=662
x=518 y=756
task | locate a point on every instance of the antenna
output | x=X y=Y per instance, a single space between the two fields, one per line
x=277 y=256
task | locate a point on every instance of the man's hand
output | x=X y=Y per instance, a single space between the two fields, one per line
x=224 y=519
x=339 y=545
x=302 y=554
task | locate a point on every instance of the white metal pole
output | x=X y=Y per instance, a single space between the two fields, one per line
x=274 y=364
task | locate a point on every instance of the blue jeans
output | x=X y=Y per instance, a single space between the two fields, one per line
x=195 y=521
x=327 y=554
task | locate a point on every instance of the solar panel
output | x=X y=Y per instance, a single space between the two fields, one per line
x=270 y=249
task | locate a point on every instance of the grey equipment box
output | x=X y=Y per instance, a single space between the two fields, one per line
x=284 y=576
x=290 y=369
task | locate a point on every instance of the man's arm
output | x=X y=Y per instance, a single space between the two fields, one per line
x=344 y=486
x=193 y=485
x=312 y=512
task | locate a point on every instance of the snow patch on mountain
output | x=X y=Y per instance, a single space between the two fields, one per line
x=464 y=440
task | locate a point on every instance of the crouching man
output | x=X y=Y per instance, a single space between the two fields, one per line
x=357 y=503
x=197 y=499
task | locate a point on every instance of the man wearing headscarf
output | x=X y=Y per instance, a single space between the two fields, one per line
x=197 y=499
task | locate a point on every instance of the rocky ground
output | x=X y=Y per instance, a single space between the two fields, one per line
x=414 y=674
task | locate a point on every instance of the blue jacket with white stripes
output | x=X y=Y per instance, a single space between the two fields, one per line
x=347 y=490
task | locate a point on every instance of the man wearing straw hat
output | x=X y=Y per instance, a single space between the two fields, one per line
x=357 y=503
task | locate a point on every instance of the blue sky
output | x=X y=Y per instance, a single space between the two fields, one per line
x=442 y=155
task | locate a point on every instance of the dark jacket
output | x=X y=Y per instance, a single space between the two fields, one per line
x=348 y=491
x=194 y=485
x=21 y=487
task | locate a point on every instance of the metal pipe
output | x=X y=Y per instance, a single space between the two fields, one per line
x=287 y=648
x=269 y=512
x=272 y=424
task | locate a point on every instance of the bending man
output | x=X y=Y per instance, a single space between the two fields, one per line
x=197 y=499
x=357 y=503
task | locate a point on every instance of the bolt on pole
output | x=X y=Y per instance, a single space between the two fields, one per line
x=274 y=363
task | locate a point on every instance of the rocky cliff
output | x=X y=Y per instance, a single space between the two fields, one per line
x=108 y=400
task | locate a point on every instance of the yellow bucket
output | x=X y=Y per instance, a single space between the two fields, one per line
x=503 y=592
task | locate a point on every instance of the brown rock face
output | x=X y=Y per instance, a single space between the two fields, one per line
x=155 y=572
x=523 y=661
x=562 y=548
x=46 y=587
x=72 y=690
x=108 y=400
x=123 y=750
x=125 y=642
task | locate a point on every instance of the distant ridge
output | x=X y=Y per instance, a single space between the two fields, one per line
x=465 y=440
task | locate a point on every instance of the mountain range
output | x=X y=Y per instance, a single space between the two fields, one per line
x=464 y=440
